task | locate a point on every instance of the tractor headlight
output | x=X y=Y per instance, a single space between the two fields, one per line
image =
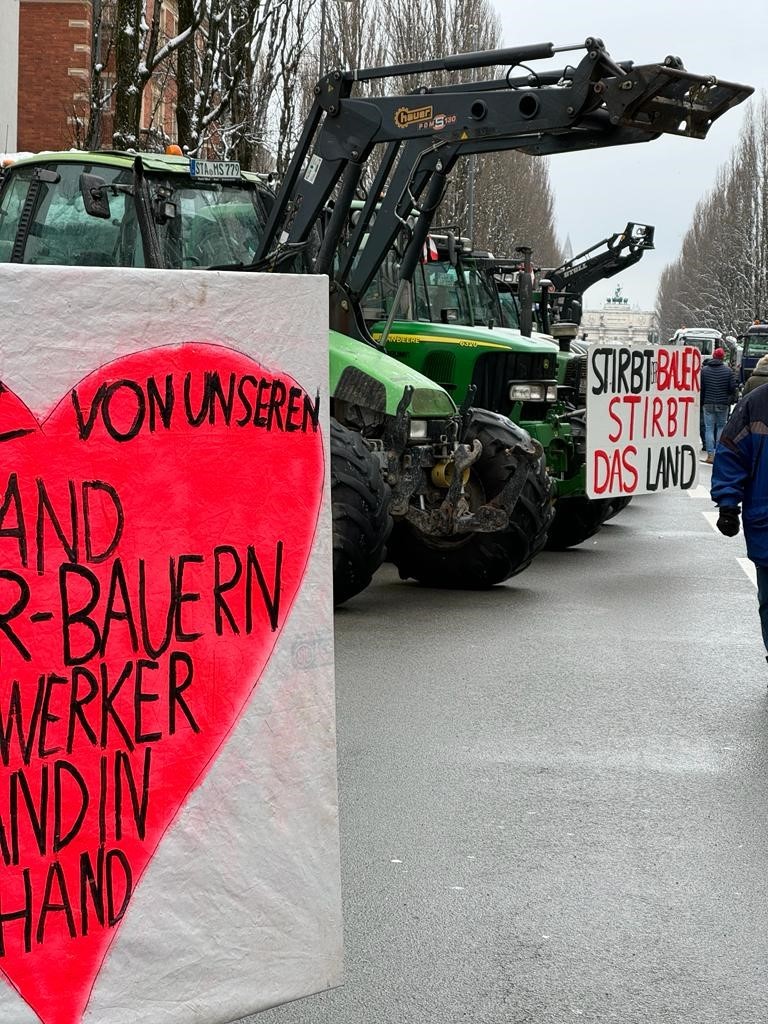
x=527 y=392
x=418 y=430
x=541 y=392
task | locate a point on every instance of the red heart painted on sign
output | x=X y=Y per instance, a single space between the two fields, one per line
x=154 y=532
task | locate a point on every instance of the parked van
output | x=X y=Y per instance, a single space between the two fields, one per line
x=706 y=340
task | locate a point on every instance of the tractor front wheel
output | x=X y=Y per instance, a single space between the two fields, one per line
x=576 y=519
x=617 y=505
x=474 y=561
x=361 y=521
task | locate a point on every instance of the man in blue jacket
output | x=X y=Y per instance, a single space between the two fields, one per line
x=740 y=486
x=718 y=391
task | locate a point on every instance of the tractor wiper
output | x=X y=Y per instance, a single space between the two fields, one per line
x=271 y=262
x=229 y=266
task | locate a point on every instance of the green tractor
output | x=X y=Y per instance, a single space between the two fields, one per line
x=475 y=494
x=453 y=325
x=446 y=335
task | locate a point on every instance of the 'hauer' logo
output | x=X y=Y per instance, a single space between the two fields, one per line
x=405 y=116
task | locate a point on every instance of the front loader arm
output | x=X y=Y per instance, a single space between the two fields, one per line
x=623 y=250
x=418 y=162
x=596 y=103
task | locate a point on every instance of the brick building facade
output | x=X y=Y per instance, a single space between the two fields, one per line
x=55 y=56
x=54 y=71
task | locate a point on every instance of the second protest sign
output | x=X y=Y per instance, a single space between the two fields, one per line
x=642 y=419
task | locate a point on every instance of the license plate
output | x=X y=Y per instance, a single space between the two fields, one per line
x=214 y=168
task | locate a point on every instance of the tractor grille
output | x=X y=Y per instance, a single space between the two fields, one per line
x=439 y=367
x=495 y=370
x=576 y=379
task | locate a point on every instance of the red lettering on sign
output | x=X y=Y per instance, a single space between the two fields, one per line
x=678 y=369
x=615 y=472
x=154 y=533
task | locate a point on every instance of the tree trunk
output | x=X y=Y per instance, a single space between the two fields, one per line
x=128 y=89
x=185 y=80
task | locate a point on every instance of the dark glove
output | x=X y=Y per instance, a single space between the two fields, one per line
x=728 y=521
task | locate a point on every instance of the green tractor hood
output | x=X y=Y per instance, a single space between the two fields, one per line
x=563 y=358
x=366 y=376
x=406 y=332
x=454 y=354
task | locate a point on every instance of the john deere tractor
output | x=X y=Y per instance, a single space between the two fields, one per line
x=451 y=326
x=500 y=295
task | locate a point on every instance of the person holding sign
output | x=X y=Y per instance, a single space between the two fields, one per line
x=740 y=487
x=718 y=388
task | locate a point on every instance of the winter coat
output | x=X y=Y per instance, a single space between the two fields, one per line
x=740 y=472
x=759 y=375
x=718 y=383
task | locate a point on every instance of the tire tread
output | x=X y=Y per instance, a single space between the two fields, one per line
x=360 y=500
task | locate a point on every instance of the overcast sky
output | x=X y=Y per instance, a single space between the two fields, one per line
x=659 y=182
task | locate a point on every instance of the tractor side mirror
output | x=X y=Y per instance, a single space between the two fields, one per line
x=452 y=257
x=449 y=315
x=93 y=189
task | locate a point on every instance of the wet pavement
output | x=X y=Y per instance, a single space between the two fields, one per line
x=553 y=794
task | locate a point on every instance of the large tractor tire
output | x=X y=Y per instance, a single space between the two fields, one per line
x=475 y=561
x=361 y=521
x=576 y=519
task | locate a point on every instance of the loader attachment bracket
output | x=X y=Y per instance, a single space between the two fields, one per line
x=666 y=98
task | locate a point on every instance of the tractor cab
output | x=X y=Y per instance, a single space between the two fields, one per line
x=130 y=210
x=448 y=325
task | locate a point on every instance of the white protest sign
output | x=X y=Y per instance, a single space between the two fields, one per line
x=168 y=813
x=642 y=418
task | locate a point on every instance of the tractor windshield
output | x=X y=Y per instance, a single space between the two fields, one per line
x=206 y=224
x=198 y=224
x=504 y=290
x=55 y=227
x=510 y=316
x=756 y=344
x=485 y=307
x=441 y=293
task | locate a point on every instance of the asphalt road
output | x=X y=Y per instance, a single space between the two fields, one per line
x=553 y=794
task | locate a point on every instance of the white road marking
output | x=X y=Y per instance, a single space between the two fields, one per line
x=747 y=566
x=749 y=569
x=711 y=517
